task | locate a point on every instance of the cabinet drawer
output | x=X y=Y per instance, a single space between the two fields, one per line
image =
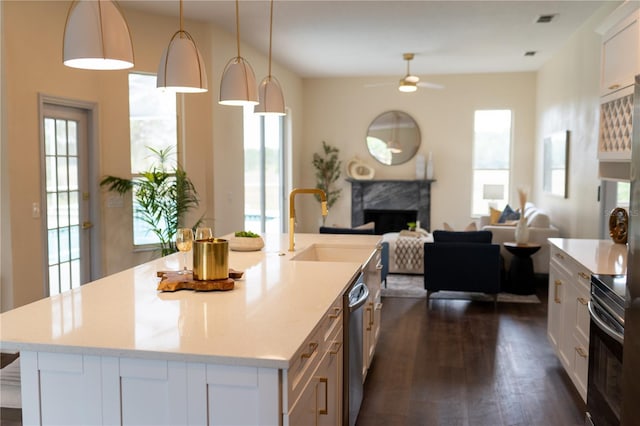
x=304 y=363
x=582 y=315
x=580 y=372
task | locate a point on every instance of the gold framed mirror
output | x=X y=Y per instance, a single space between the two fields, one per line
x=393 y=138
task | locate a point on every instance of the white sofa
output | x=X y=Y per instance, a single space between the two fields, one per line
x=540 y=228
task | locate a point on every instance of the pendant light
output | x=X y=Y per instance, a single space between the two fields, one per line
x=96 y=37
x=271 y=99
x=238 y=85
x=181 y=66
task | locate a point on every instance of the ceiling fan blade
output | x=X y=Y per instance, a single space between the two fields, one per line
x=379 y=84
x=430 y=85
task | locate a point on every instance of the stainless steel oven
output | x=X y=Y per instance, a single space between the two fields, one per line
x=606 y=336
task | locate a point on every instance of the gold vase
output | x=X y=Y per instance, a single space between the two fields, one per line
x=211 y=259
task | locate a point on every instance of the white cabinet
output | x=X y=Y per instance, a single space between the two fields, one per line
x=372 y=314
x=620 y=55
x=314 y=381
x=568 y=317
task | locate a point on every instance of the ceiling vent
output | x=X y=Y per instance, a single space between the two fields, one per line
x=530 y=53
x=545 y=19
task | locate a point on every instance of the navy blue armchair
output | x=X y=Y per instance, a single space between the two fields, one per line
x=462 y=261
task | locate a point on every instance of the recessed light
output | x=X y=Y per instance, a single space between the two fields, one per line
x=530 y=53
x=545 y=19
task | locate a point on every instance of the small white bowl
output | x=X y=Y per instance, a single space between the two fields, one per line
x=246 y=243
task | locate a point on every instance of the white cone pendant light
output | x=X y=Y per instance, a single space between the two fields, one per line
x=181 y=66
x=96 y=37
x=271 y=99
x=238 y=85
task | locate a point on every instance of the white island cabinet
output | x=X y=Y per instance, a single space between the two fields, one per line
x=571 y=265
x=116 y=351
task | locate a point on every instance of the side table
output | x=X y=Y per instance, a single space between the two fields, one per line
x=520 y=278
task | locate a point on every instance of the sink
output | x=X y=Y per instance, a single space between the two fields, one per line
x=333 y=253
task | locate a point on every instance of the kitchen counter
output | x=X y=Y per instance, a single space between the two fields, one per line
x=598 y=256
x=261 y=323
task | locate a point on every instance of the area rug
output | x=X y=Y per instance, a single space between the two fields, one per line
x=399 y=285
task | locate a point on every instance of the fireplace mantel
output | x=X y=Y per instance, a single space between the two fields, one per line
x=392 y=194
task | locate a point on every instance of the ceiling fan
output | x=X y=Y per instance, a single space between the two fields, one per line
x=410 y=82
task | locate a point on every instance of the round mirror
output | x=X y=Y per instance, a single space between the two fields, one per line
x=393 y=137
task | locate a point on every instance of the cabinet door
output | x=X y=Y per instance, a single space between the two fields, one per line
x=305 y=412
x=330 y=386
x=555 y=310
x=620 y=55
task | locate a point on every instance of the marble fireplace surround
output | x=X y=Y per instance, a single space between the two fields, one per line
x=395 y=194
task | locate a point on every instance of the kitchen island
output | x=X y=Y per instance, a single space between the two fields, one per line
x=117 y=351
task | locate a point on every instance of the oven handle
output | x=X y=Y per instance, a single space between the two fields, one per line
x=602 y=325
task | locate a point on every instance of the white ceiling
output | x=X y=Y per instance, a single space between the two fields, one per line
x=340 y=38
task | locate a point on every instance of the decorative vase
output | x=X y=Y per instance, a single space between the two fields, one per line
x=429 y=171
x=522 y=231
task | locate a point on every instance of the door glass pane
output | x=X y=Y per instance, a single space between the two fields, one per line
x=61 y=137
x=62 y=204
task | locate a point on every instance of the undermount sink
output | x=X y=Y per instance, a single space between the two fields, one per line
x=333 y=253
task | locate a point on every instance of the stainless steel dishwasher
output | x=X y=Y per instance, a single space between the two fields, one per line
x=355 y=298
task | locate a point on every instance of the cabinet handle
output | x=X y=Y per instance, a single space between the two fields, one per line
x=583 y=276
x=336 y=313
x=581 y=352
x=614 y=86
x=378 y=306
x=379 y=266
x=559 y=256
x=312 y=348
x=369 y=310
x=325 y=411
x=556 y=298
x=583 y=301
x=337 y=346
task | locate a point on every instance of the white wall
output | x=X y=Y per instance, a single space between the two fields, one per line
x=568 y=99
x=339 y=112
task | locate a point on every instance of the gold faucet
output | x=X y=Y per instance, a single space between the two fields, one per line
x=292 y=208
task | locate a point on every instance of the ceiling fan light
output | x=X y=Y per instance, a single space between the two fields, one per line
x=271 y=99
x=238 y=85
x=96 y=37
x=181 y=66
x=407 y=86
x=412 y=78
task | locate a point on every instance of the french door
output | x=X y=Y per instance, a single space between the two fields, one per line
x=65 y=198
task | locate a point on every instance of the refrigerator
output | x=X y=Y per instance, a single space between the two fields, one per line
x=630 y=414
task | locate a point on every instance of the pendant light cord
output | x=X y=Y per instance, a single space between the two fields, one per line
x=238 y=27
x=181 y=31
x=270 y=37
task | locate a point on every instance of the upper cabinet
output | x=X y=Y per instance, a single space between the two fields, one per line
x=620 y=56
x=620 y=64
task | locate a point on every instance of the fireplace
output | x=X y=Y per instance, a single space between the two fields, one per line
x=391 y=196
x=390 y=220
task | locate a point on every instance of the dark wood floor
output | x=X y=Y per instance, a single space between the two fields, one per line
x=467 y=363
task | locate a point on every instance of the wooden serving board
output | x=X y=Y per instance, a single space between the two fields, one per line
x=173 y=281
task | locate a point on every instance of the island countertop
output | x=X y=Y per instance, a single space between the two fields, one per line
x=598 y=256
x=261 y=322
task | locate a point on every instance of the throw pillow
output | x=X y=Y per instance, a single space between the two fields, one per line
x=470 y=227
x=494 y=215
x=508 y=214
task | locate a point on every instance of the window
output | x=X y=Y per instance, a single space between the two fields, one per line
x=491 y=160
x=264 y=172
x=153 y=124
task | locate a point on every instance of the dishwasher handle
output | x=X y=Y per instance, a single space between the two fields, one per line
x=357 y=296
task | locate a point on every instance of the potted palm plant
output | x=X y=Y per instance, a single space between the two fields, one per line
x=162 y=197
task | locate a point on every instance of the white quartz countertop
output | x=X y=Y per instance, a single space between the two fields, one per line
x=261 y=322
x=599 y=256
